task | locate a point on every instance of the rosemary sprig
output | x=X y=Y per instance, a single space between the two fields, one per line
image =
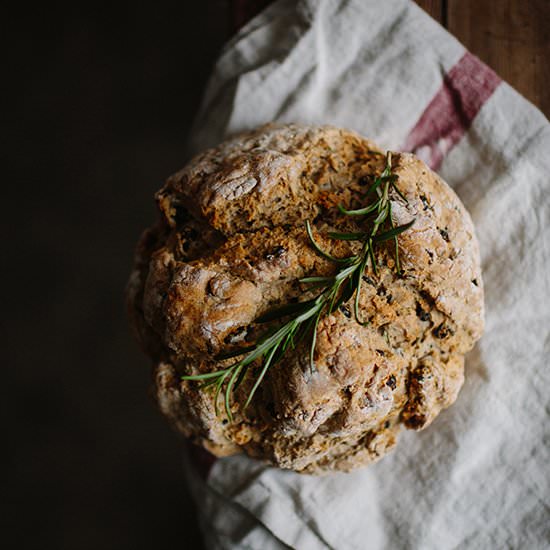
x=303 y=317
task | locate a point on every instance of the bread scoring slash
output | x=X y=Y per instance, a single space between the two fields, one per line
x=231 y=245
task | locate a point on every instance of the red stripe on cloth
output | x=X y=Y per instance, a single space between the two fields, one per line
x=466 y=87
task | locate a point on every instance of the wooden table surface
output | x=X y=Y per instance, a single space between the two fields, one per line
x=511 y=36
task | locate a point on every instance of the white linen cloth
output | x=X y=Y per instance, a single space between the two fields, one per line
x=479 y=476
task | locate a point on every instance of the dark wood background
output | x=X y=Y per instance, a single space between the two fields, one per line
x=99 y=103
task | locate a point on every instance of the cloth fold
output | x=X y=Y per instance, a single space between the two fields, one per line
x=478 y=477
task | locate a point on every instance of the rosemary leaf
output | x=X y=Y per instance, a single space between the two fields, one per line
x=396 y=244
x=261 y=377
x=236 y=372
x=358 y=290
x=313 y=342
x=241 y=376
x=392 y=232
x=346 y=294
x=345 y=273
x=396 y=189
x=347 y=236
x=234 y=353
x=319 y=249
x=382 y=216
x=208 y=383
x=325 y=280
x=372 y=257
x=283 y=311
x=304 y=330
x=204 y=376
x=360 y=211
x=219 y=387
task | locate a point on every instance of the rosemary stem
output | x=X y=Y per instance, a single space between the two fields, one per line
x=303 y=317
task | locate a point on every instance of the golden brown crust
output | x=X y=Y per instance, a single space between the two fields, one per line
x=231 y=245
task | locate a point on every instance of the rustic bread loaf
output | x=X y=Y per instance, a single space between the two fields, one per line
x=231 y=245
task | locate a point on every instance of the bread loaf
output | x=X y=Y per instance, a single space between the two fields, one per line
x=231 y=245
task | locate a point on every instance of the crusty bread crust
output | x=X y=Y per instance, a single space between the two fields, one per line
x=231 y=245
